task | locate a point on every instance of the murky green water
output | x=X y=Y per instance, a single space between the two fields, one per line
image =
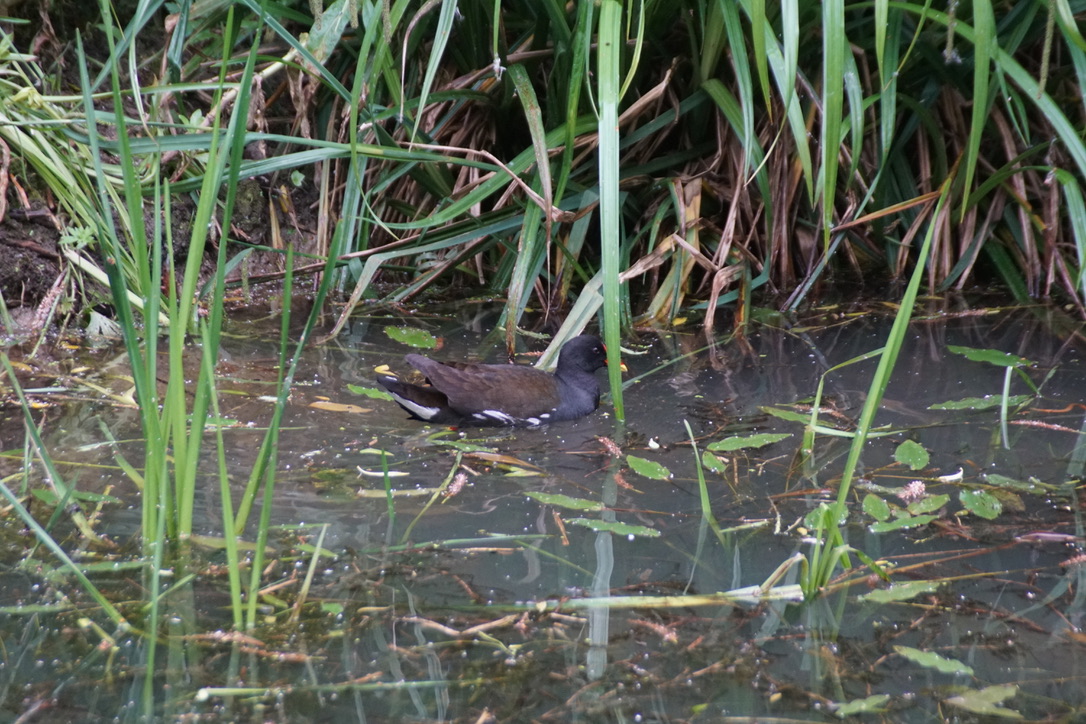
x=445 y=607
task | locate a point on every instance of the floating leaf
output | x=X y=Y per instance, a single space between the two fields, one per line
x=871 y=705
x=990 y=356
x=500 y=459
x=311 y=549
x=648 y=468
x=364 y=473
x=913 y=521
x=876 y=507
x=616 y=528
x=712 y=462
x=982 y=503
x=1011 y=502
x=981 y=403
x=218 y=543
x=987 y=701
x=329 y=406
x=565 y=501
x=900 y=592
x=913 y=454
x=412 y=336
x=406 y=493
x=523 y=473
x=49 y=496
x=110 y=566
x=1032 y=486
x=24 y=609
x=371 y=392
x=462 y=445
x=789 y=415
x=928 y=505
x=749 y=441
x=931 y=660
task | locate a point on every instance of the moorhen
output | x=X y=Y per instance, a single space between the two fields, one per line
x=481 y=394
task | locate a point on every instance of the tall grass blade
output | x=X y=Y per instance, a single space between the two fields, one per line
x=743 y=77
x=440 y=38
x=984 y=27
x=608 y=67
x=834 y=48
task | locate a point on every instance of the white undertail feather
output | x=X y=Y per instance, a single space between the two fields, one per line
x=423 y=412
x=497 y=415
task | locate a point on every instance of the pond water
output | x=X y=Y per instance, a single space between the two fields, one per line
x=502 y=601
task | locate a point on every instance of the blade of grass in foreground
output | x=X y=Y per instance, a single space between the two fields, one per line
x=39 y=532
x=828 y=550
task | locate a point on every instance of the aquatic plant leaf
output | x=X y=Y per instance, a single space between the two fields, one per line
x=982 y=503
x=900 y=592
x=981 y=403
x=932 y=660
x=100 y=325
x=648 y=468
x=748 y=441
x=912 y=521
x=876 y=507
x=913 y=454
x=870 y=705
x=565 y=501
x=412 y=336
x=371 y=392
x=616 y=528
x=876 y=567
x=990 y=356
x=821 y=518
x=928 y=505
x=712 y=462
x=987 y=701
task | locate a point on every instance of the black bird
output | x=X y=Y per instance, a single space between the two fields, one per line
x=467 y=393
